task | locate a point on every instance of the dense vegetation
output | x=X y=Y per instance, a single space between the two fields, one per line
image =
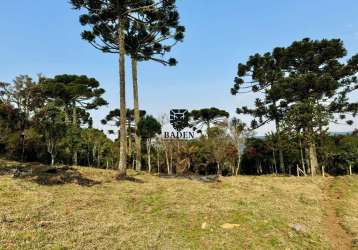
x=48 y=121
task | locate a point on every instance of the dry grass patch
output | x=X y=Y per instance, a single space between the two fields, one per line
x=346 y=192
x=161 y=213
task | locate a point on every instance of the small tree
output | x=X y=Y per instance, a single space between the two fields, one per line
x=148 y=128
x=51 y=123
x=260 y=74
x=96 y=144
x=349 y=151
x=238 y=132
x=25 y=96
x=218 y=140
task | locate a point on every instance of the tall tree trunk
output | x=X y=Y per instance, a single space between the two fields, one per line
x=74 y=126
x=137 y=138
x=280 y=153
x=122 y=84
x=129 y=140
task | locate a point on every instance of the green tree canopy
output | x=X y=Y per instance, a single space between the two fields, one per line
x=74 y=91
x=149 y=127
x=207 y=117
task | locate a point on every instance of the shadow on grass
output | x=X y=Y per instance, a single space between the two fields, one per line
x=46 y=175
x=130 y=179
x=205 y=179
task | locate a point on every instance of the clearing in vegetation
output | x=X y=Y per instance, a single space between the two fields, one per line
x=84 y=208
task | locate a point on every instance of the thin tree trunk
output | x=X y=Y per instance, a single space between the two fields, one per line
x=74 y=126
x=94 y=150
x=98 y=157
x=22 y=143
x=171 y=161
x=274 y=160
x=275 y=169
x=302 y=158
x=313 y=158
x=307 y=160
x=238 y=160
x=158 y=161
x=350 y=169
x=88 y=157
x=167 y=161
x=149 y=156
x=52 y=160
x=22 y=139
x=122 y=83
x=298 y=170
x=280 y=153
x=137 y=138
x=50 y=150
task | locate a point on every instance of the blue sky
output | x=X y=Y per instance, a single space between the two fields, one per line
x=43 y=36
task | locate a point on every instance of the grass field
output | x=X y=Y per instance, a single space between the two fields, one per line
x=85 y=208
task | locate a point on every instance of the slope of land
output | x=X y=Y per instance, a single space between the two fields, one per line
x=344 y=192
x=83 y=208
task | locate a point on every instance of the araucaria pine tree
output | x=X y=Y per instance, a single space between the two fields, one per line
x=150 y=40
x=76 y=94
x=111 y=22
x=305 y=87
x=259 y=75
